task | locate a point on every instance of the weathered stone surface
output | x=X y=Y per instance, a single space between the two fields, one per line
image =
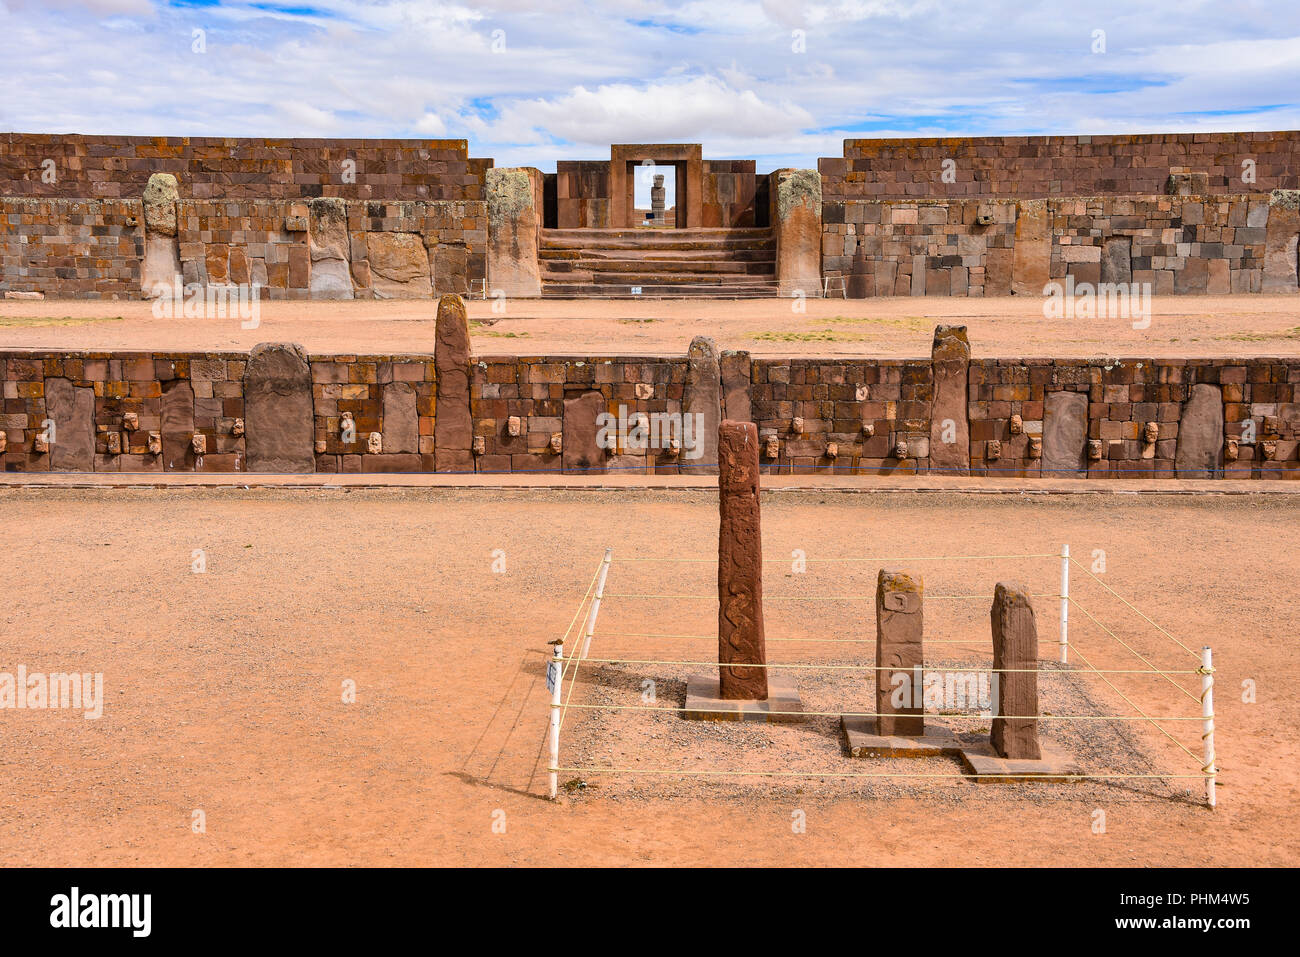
x=513 y=225
x=1117 y=261
x=998 y=265
x=177 y=426
x=899 y=630
x=1200 y=434
x=161 y=195
x=736 y=373
x=579 y=451
x=1015 y=663
x=702 y=396
x=1031 y=264
x=399 y=266
x=1282 y=242
x=453 y=434
x=328 y=244
x=278 y=409
x=740 y=565
x=798 y=229
x=73 y=413
x=1065 y=434
x=401 y=424
x=949 y=427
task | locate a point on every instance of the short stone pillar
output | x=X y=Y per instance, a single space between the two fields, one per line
x=899 y=652
x=702 y=400
x=453 y=427
x=797 y=218
x=949 y=427
x=514 y=224
x=1015 y=669
x=740 y=565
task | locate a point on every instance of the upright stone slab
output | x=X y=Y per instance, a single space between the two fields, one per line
x=798 y=229
x=740 y=566
x=1015 y=664
x=453 y=429
x=330 y=249
x=1117 y=261
x=514 y=222
x=1282 y=242
x=580 y=452
x=177 y=425
x=1065 y=435
x=401 y=423
x=1032 y=260
x=72 y=410
x=899 y=652
x=949 y=427
x=162 y=262
x=702 y=396
x=1200 y=434
x=278 y=425
x=736 y=390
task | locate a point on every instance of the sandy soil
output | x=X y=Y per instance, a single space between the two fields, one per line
x=1011 y=326
x=224 y=689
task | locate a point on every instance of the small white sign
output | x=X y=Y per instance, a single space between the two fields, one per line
x=636 y=290
x=552 y=675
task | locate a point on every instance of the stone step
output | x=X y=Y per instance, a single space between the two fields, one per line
x=644 y=267
x=624 y=291
x=661 y=255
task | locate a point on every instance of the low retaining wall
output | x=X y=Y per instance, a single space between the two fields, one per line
x=153 y=412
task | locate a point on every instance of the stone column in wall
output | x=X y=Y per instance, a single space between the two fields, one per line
x=949 y=426
x=1031 y=262
x=514 y=224
x=162 y=261
x=279 y=428
x=797 y=223
x=702 y=402
x=1199 y=453
x=1282 y=242
x=453 y=427
x=330 y=249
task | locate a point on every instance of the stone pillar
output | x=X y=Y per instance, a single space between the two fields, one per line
x=657 y=192
x=798 y=228
x=736 y=368
x=453 y=427
x=1065 y=435
x=1199 y=453
x=162 y=261
x=949 y=426
x=1281 y=239
x=279 y=426
x=580 y=452
x=740 y=566
x=702 y=400
x=1015 y=648
x=330 y=248
x=72 y=410
x=1032 y=259
x=899 y=631
x=514 y=222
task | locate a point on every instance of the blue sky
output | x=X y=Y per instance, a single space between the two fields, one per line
x=531 y=81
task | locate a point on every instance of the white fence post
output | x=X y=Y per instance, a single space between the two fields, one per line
x=1207 y=721
x=595 y=602
x=1065 y=604
x=554 y=677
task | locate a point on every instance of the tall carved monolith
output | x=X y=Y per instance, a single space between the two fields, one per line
x=453 y=427
x=899 y=653
x=740 y=566
x=1015 y=664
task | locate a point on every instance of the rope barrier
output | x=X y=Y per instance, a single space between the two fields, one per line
x=1135 y=610
x=1133 y=650
x=928 y=714
x=833 y=641
x=767 y=598
x=858 y=774
x=782 y=561
x=866 y=667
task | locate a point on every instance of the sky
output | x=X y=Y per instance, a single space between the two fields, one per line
x=528 y=82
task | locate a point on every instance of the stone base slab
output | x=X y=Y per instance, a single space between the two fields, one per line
x=863 y=742
x=985 y=766
x=704 y=704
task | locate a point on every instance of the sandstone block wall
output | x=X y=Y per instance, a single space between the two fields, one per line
x=1028 y=167
x=1134 y=418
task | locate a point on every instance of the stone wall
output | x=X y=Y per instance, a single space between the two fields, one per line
x=1177 y=244
x=103 y=167
x=1030 y=167
x=384 y=249
x=1123 y=418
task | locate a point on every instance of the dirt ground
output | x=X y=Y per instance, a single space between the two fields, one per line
x=1192 y=326
x=224 y=689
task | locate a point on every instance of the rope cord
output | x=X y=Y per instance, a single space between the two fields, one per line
x=854 y=774
x=564 y=670
x=1133 y=650
x=767 y=598
x=928 y=714
x=890 y=668
x=1134 y=609
x=781 y=561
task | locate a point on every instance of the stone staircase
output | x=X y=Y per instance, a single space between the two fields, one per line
x=658 y=263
